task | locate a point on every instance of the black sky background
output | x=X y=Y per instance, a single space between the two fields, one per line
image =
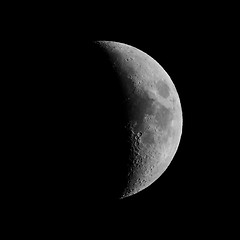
x=189 y=50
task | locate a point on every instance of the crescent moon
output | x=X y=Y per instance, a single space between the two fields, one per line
x=142 y=75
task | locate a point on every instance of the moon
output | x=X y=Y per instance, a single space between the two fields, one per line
x=103 y=121
x=148 y=112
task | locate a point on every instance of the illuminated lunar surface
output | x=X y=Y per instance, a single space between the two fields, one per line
x=150 y=117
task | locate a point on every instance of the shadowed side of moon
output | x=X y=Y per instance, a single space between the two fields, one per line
x=111 y=145
x=101 y=146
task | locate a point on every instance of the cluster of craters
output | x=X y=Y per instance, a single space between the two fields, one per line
x=151 y=134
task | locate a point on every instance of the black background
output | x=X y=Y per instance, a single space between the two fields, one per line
x=192 y=184
x=78 y=94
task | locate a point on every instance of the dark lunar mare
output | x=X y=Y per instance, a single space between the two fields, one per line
x=162 y=88
x=163 y=116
